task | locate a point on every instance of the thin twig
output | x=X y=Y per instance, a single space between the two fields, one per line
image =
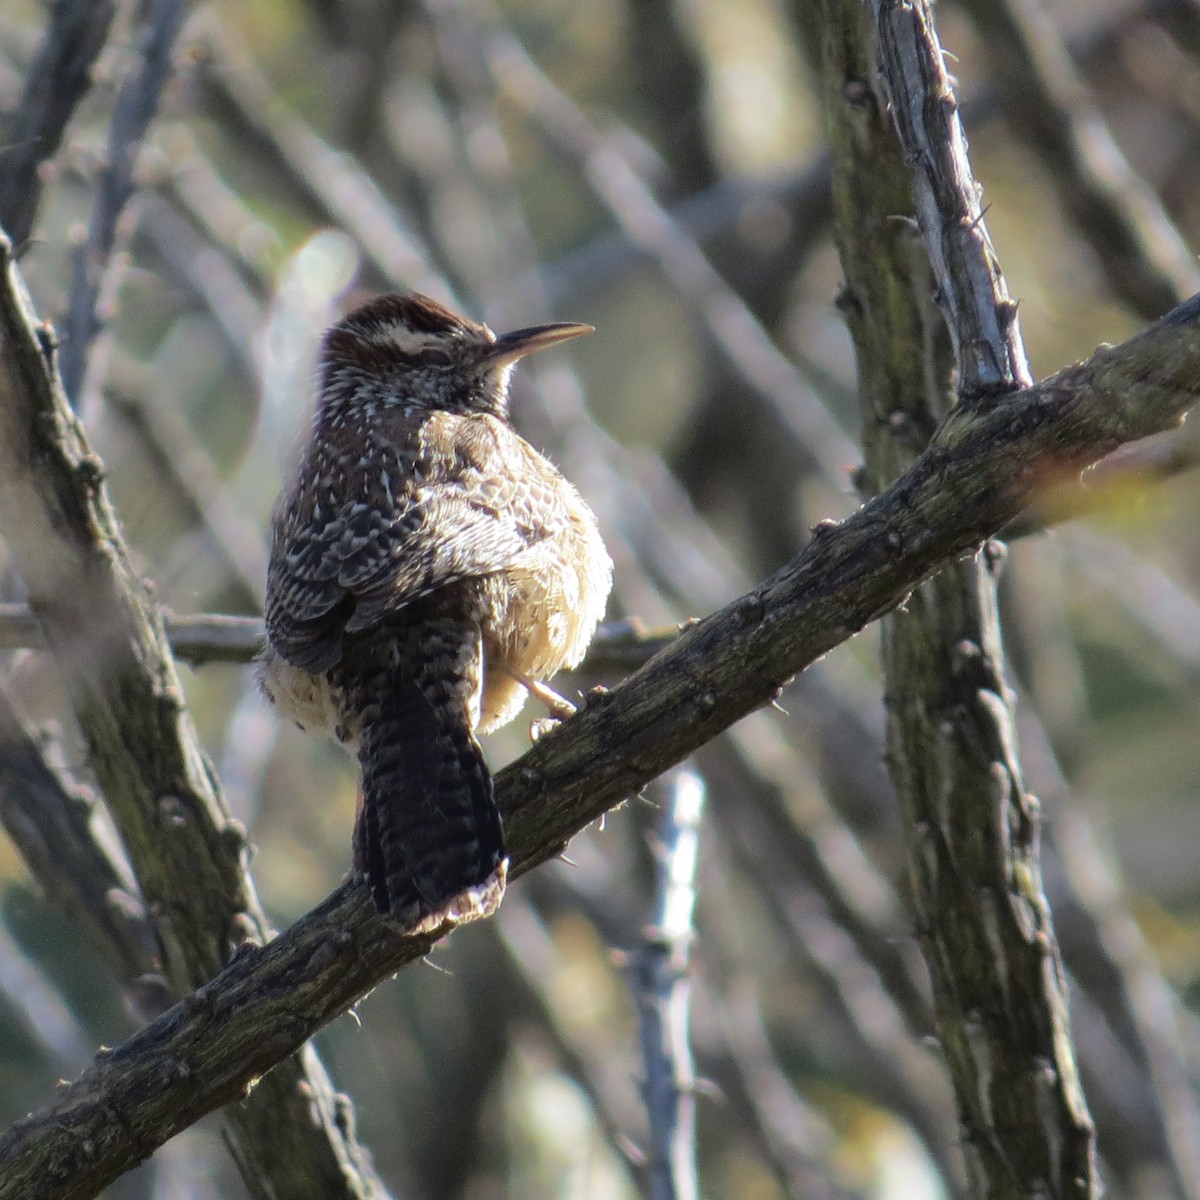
x=52 y=828
x=880 y=1034
x=334 y=184
x=47 y=1021
x=798 y=1142
x=209 y=274
x=818 y=440
x=192 y=478
x=658 y=979
x=207 y=200
x=1168 y=612
x=780 y=808
x=1148 y=1019
x=618 y=648
x=532 y=954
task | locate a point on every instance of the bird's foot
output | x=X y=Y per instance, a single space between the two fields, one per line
x=542 y=726
x=560 y=707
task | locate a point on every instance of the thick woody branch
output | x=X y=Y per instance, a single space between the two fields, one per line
x=973 y=850
x=107 y=637
x=65 y=542
x=979 y=471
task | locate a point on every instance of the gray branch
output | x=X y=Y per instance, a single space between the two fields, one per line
x=658 y=975
x=814 y=435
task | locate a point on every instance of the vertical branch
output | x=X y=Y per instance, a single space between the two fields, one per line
x=658 y=980
x=108 y=641
x=970 y=288
x=982 y=917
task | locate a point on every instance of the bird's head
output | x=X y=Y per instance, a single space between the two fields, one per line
x=408 y=349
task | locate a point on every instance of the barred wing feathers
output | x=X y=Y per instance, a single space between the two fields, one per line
x=428 y=500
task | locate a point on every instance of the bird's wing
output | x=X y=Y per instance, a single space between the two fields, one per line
x=413 y=511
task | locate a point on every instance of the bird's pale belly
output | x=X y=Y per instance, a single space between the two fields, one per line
x=548 y=608
x=308 y=700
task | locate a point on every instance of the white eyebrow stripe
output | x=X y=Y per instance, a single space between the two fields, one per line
x=401 y=337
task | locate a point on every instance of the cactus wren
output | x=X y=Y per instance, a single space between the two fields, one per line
x=428 y=568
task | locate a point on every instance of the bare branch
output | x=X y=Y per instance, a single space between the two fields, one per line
x=52 y=829
x=29 y=995
x=970 y=288
x=605 y=1082
x=334 y=184
x=973 y=853
x=191 y=477
x=816 y=437
x=658 y=978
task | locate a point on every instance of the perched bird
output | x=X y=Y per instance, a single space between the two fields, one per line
x=428 y=568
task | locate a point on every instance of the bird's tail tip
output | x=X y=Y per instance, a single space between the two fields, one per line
x=471 y=904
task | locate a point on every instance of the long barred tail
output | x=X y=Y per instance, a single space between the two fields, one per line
x=428 y=838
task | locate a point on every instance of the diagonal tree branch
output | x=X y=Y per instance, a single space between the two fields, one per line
x=51 y=826
x=980 y=469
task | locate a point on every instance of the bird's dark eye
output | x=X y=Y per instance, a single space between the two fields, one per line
x=433 y=358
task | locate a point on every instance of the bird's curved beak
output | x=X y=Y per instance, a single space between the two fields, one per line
x=509 y=347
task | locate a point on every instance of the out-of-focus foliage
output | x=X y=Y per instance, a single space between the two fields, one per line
x=309 y=153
